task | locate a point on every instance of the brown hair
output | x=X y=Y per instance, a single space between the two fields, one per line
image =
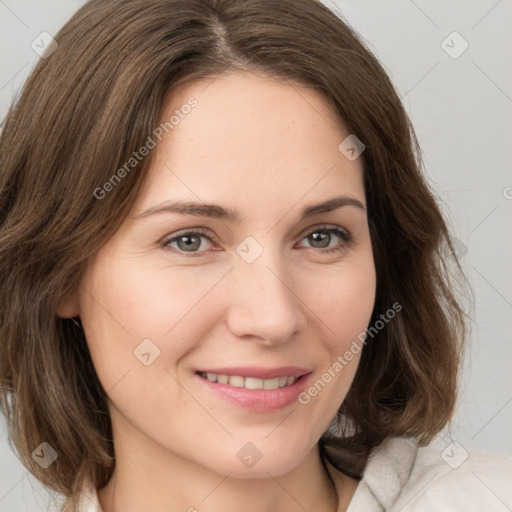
x=85 y=110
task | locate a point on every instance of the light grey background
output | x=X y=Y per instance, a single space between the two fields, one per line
x=461 y=109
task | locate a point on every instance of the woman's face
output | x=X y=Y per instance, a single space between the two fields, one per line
x=256 y=297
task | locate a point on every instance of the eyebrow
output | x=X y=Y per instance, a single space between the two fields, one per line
x=219 y=212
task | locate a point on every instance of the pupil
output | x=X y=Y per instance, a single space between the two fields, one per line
x=188 y=244
x=319 y=235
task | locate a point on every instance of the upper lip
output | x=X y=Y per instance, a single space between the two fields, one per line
x=259 y=372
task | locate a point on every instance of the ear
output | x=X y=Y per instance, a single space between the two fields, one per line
x=69 y=307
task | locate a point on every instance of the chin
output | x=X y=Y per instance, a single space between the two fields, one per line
x=261 y=458
x=275 y=467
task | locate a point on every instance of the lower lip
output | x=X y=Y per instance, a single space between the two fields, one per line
x=257 y=400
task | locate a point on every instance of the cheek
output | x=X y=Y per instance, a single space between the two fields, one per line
x=155 y=300
x=344 y=301
x=124 y=305
x=344 y=308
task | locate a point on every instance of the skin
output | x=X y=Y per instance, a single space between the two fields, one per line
x=268 y=149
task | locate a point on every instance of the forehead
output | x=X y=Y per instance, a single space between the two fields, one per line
x=250 y=137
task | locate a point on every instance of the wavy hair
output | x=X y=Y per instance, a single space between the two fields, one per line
x=82 y=113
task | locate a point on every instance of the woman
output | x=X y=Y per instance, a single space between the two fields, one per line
x=224 y=279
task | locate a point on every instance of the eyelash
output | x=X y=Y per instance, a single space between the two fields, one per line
x=343 y=234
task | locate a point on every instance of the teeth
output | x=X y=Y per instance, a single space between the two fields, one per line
x=270 y=383
x=222 y=379
x=253 y=383
x=236 y=381
x=249 y=382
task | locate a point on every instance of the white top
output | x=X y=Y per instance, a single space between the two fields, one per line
x=399 y=476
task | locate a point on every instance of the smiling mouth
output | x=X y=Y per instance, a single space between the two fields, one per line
x=258 y=389
x=249 y=382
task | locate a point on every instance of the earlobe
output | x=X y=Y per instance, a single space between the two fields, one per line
x=68 y=307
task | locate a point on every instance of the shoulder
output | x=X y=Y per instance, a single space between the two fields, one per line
x=400 y=476
x=453 y=479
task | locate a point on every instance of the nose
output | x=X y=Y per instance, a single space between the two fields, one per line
x=262 y=302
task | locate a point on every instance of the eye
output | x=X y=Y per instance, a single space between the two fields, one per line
x=189 y=243
x=322 y=236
